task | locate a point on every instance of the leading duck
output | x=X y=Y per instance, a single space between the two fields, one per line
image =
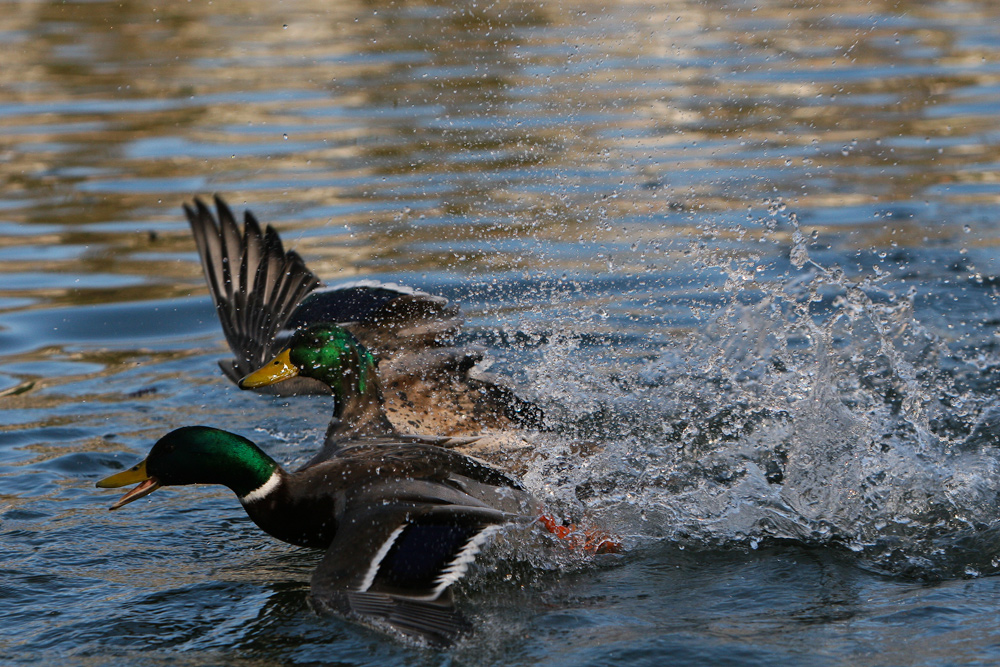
x=400 y=522
x=263 y=294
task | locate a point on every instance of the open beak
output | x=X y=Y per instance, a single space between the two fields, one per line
x=278 y=369
x=137 y=474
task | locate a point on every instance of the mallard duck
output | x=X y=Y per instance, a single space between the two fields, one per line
x=400 y=521
x=332 y=355
x=263 y=293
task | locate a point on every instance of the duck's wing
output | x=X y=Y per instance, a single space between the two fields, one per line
x=262 y=293
x=402 y=459
x=385 y=317
x=394 y=565
x=255 y=284
x=340 y=436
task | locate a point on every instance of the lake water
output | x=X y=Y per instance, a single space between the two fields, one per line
x=743 y=254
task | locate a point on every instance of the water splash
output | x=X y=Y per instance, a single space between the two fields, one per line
x=813 y=406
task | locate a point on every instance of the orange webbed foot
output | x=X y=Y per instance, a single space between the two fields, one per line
x=590 y=541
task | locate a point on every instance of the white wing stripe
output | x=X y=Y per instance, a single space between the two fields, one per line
x=393 y=287
x=457 y=568
x=377 y=560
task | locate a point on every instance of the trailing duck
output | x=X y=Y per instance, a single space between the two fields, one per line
x=263 y=294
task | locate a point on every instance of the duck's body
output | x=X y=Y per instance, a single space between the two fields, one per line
x=263 y=294
x=400 y=522
x=333 y=357
x=409 y=479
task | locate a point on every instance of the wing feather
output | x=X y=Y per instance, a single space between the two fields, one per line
x=254 y=283
x=394 y=564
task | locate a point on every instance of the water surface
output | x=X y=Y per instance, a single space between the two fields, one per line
x=744 y=255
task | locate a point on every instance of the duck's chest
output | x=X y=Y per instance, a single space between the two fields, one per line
x=302 y=519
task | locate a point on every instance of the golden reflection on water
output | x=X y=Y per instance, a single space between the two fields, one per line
x=427 y=136
x=437 y=141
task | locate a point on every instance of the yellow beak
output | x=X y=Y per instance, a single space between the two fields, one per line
x=134 y=475
x=278 y=369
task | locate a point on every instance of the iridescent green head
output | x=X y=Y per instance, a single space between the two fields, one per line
x=196 y=455
x=324 y=352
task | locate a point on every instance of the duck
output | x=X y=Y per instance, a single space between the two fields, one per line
x=400 y=522
x=332 y=355
x=263 y=293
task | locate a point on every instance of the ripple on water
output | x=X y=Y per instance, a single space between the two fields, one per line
x=742 y=255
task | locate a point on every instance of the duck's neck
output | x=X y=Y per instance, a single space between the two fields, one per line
x=358 y=408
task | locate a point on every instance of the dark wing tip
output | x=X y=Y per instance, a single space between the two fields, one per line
x=436 y=622
x=225 y=213
x=254 y=284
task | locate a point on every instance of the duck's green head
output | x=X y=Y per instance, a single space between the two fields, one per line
x=326 y=353
x=196 y=455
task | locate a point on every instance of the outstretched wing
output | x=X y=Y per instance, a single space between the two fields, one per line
x=383 y=316
x=394 y=566
x=262 y=293
x=255 y=284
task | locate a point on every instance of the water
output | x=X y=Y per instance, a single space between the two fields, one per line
x=743 y=254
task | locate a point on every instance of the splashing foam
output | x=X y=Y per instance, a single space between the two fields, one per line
x=822 y=412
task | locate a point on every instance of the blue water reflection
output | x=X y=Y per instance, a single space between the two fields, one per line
x=744 y=255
